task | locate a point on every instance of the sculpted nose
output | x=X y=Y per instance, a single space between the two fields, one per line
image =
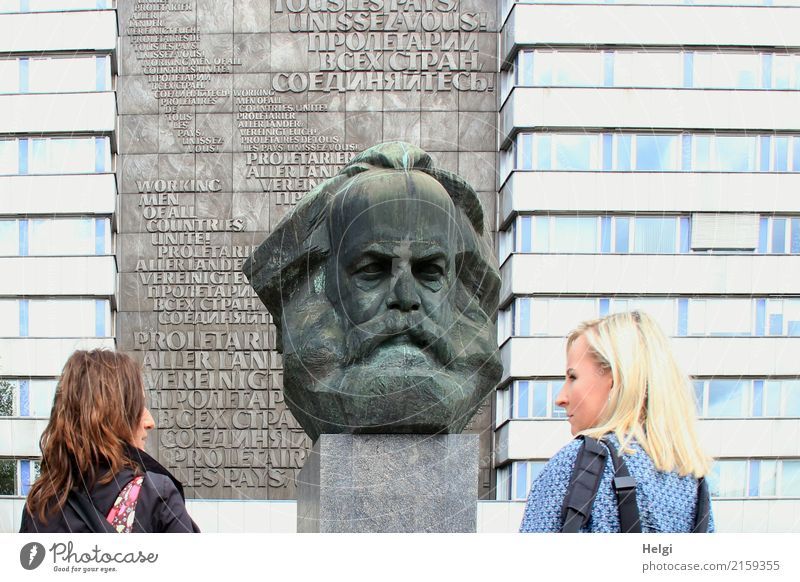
x=403 y=295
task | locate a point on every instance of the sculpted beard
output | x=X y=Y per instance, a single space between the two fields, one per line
x=363 y=339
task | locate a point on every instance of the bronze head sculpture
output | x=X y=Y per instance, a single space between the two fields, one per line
x=384 y=288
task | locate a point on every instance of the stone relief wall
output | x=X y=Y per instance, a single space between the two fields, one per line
x=230 y=110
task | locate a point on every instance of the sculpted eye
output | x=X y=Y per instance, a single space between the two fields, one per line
x=371 y=269
x=429 y=270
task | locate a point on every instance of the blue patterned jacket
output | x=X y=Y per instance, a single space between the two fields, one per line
x=666 y=501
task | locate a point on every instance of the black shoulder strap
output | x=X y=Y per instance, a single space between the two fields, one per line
x=625 y=487
x=88 y=513
x=583 y=485
x=703 y=507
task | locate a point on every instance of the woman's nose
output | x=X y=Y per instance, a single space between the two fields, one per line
x=149 y=423
x=561 y=397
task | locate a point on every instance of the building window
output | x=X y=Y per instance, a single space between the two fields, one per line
x=598 y=234
x=747 y=398
x=55 y=318
x=658 y=68
x=27 y=397
x=55 y=236
x=16 y=6
x=17 y=476
x=56 y=155
x=755 y=478
x=531 y=399
x=649 y=152
x=779 y=235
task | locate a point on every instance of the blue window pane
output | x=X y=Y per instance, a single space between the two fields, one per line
x=727 y=397
x=736 y=153
x=574 y=234
x=524 y=316
x=702 y=153
x=605 y=234
x=526 y=152
x=24 y=398
x=540 y=399
x=23 y=238
x=25 y=477
x=776 y=324
x=796 y=154
x=100 y=73
x=755 y=478
x=102 y=4
x=623 y=152
x=574 y=152
x=522 y=480
x=656 y=153
x=766 y=71
x=653 y=235
x=791 y=391
x=100 y=318
x=604 y=304
x=758 y=397
x=686 y=234
x=793 y=328
x=761 y=308
x=698 y=395
x=778 y=235
x=686 y=152
x=523 y=402
x=688 y=69
x=608 y=69
x=543 y=156
x=622 y=235
x=24 y=75
x=781 y=154
x=99 y=154
x=23 y=156
x=763 y=228
x=541 y=234
x=23 y=317
x=795 y=236
x=99 y=236
x=608 y=152
x=765 y=151
x=24 y=5
x=525 y=234
x=683 y=317
x=790 y=485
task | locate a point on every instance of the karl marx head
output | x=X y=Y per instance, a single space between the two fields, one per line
x=384 y=291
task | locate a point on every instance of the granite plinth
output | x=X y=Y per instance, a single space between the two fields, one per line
x=389 y=483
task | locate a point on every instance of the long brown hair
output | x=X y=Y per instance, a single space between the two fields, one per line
x=98 y=406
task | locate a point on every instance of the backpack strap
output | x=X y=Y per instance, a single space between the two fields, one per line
x=701 y=516
x=123 y=511
x=625 y=488
x=87 y=512
x=583 y=485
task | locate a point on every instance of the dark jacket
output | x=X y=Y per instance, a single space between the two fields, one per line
x=161 y=506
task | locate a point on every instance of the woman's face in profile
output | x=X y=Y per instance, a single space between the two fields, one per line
x=586 y=387
x=146 y=423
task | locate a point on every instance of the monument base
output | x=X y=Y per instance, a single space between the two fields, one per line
x=369 y=483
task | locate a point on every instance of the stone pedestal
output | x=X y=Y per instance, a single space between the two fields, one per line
x=389 y=483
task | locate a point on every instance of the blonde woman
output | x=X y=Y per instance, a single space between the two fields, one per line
x=623 y=388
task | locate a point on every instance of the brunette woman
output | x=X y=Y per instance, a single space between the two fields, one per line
x=95 y=475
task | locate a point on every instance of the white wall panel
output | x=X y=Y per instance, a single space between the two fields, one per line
x=49 y=195
x=58 y=31
x=20 y=436
x=690 y=109
x=43 y=356
x=58 y=113
x=698 y=356
x=700 y=26
x=667 y=192
x=53 y=276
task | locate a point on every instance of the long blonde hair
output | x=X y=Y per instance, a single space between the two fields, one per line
x=650 y=399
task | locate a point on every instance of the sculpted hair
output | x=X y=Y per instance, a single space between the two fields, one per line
x=301 y=241
x=651 y=400
x=98 y=405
